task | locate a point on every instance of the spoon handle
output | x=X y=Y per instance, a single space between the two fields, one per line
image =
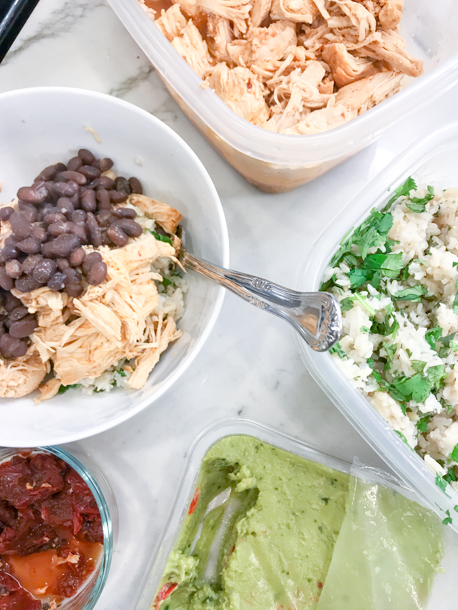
x=314 y=315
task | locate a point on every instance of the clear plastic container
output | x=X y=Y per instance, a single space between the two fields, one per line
x=432 y=160
x=88 y=595
x=445 y=589
x=276 y=162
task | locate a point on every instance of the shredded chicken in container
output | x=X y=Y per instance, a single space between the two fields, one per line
x=112 y=330
x=292 y=66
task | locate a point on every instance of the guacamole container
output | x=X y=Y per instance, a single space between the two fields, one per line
x=441 y=592
x=432 y=160
x=276 y=162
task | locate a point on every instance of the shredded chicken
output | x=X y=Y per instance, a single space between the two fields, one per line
x=256 y=56
x=171 y=22
x=121 y=318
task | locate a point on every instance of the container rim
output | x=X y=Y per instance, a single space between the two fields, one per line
x=405 y=463
x=260 y=143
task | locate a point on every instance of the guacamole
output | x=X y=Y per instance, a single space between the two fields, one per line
x=259 y=534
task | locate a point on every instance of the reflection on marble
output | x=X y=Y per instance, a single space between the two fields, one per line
x=249 y=367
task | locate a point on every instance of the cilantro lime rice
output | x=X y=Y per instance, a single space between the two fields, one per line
x=396 y=279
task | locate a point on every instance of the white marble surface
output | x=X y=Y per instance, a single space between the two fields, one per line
x=249 y=367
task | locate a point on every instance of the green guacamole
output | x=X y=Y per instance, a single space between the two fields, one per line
x=268 y=546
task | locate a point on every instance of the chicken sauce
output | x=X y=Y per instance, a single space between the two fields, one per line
x=51 y=534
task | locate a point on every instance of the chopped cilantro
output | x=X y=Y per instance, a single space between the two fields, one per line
x=346 y=304
x=413 y=294
x=163 y=238
x=389 y=326
x=364 y=329
x=415 y=388
x=403 y=438
x=370 y=362
x=419 y=205
x=418 y=365
x=403 y=190
x=403 y=408
x=450 y=476
x=364 y=304
x=436 y=375
x=390 y=350
x=358 y=277
x=422 y=423
x=121 y=372
x=433 y=335
x=389 y=264
x=455 y=508
x=65 y=388
x=337 y=349
x=447 y=519
x=442 y=483
x=454 y=454
x=455 y=302
x=329 y=284
x=166 y=282
x=455 y=264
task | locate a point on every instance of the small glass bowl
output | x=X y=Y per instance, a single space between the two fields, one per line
x=88 y=595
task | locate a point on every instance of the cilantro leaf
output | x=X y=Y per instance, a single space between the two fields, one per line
x=418 y=365
x=385 y=224
x=422 y=423
x=450 y=476
x=442 y=483
x=166 y=282
x=419 y=205
x=65 y=388
x=413 y=294
x=403 y=190
x=433 y=335
x=389 y=326
x=163 y=238
x=121 y=372
x=447 y=519
x=346 y=304
x=337 y=349
x=436 y=375
x=390 y=350
x=454 y=454
x=455 y=302
x=390 y=265
x=415 y=388
x=358 y=277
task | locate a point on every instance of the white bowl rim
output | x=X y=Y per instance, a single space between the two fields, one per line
x=142 y=404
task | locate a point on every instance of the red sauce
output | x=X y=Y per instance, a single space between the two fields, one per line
x=50 y=532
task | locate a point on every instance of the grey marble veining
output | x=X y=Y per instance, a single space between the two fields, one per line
x=249 y=366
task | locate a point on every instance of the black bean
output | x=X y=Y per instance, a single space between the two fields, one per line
x=11 y=241
x=88 y=202
x=94 y=184
x=104 y=218
x=33 y=194
x=86 y=156
x=75 y=200
x=77 y=257
x=91 y=259
x=31 y=245
x=90 y=172
x=11 y=302
x=59 y=228
x=121 y=184
x=94 y=230
x=30 y=262
x=74 y=290
x=18 y=313
x=22 y=328
x=5 y=281
x=118 y=196
x=80 y=232
x=48 y=173
x=91 y=222
x=65 y=189
x=53 y=217
x=103 y=197
x=39 y=233
x=63 y=263
x=5 y=212
x=57 y=282
x=97 y=273
x=8 y=253
x=105 y=164
x=132 y=228
x=64 y=245
x=20 y=226
x=11 y=347
x=74 y=164
x=44 y=270
x=125 y=213
x=2 y=329
x=72 y=277
x=135 y=186
x=76 y=176
x=79 y=216
x=28 y=211
x=65 y=205
x=26 y=284
x=117 y=235
x=13 y=269
x=47 y=249
x=106 y=182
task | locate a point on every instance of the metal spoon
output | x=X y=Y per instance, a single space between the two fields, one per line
x=315 y=316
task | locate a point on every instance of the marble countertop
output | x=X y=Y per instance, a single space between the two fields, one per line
x=249 y=367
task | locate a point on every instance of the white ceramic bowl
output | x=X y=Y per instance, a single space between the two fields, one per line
x=43 y=125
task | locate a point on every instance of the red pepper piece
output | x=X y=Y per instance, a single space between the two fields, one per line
x=194 y=501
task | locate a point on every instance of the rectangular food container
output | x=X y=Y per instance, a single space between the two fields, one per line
x=276 y=162
x=445 y=589
x=432 y=160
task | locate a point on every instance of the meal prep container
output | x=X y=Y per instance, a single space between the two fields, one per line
x=432 y=160
x=88 y=595
x=276 y=162
x=445 y=589
x=42 y=125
